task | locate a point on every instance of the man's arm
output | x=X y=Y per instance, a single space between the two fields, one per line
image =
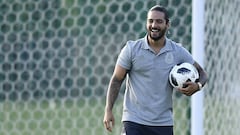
x=193 y=87
x=112 y=94
x=202 y=74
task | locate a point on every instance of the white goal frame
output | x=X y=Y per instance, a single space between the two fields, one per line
x=197 y=110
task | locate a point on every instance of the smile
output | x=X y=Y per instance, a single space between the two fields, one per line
x=155 y=30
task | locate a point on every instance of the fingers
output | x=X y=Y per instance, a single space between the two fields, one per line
x=190 y=89
x=108 y=125
x=186 y=92
x=108 y=120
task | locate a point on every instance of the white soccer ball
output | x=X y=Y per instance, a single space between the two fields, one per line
x=182 y=73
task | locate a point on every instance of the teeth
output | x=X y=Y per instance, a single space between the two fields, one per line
x=154 y=30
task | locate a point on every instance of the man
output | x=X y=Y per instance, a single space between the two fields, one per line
x=146 y=63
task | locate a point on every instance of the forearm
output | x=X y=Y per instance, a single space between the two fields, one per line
x=203 y=77
x=202 y=74
x=112 y=93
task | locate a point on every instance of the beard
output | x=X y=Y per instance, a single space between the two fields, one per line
x=159 y=36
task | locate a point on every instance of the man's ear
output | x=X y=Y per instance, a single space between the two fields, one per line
x=168 y=24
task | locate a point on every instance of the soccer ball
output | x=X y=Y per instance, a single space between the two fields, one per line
x=182 y=73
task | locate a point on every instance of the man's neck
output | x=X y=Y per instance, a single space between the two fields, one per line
x=157 y=45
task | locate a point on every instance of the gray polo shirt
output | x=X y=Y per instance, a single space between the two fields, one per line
x=148 y=94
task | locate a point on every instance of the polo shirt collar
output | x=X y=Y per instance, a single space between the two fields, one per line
x=167 y=47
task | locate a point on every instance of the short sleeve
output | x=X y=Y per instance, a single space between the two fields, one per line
x=124 y=58
x=186 y=56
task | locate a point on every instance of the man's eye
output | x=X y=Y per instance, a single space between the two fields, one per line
x=150 y=21
x=159 y=21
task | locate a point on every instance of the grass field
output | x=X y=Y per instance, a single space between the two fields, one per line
x=69 y=117
x=66 y=117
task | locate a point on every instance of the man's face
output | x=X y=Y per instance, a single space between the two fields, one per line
x=156 y=25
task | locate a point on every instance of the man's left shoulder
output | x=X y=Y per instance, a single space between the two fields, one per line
x=173 y=43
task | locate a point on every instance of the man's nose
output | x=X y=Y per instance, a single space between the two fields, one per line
x=154 y=24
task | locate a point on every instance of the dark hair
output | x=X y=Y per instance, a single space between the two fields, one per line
x=161 y=9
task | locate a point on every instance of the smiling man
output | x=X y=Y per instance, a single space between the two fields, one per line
x=146 y=63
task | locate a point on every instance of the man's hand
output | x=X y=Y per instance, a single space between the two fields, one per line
x=108 y=120
x=191 y=88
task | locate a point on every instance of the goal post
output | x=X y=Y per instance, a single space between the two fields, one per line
x=198 y=54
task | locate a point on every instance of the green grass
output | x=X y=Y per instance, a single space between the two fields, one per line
x=66 y=117
x=72 y=117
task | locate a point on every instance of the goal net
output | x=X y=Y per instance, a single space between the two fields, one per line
x=57 y=57
x=222 y=102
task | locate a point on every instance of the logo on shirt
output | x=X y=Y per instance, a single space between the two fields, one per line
x=169 y=58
